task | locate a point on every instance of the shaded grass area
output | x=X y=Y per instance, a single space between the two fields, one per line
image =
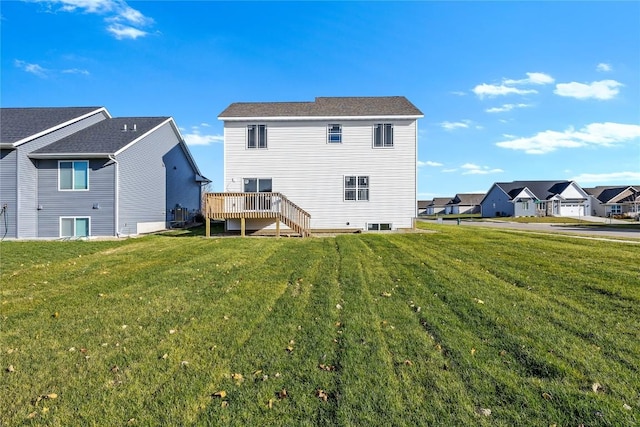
x=379 y=329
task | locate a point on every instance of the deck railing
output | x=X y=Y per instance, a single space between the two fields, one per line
x=258 y=205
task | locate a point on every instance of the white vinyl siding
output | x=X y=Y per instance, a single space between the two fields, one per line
x=310 y=172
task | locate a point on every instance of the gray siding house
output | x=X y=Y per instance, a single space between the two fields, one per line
x=535 y=198
x=78 y=172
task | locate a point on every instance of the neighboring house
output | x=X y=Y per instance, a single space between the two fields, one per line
x=464 y=203
x=338 y=163
x=422 y=206
x=438 y=206
x=78 y=172
x=615 y=200
x=535 y=198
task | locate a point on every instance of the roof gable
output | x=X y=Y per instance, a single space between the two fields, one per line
x=380 y=106
x=20 y=124
x=103 y=138
x=542 y=190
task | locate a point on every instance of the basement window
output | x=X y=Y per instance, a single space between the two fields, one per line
x=379 y=226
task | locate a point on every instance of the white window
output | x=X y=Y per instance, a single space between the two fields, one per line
x=383 y=135
x=73 y=175
x=382 y=226
x=356 y=188
x=257 y=136
x=616 y=209
x=525 y=205
x=74 y=227
x=334 y=134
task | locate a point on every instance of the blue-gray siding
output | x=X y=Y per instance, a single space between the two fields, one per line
x=144 y=170
x=56 y=203
x=496 y=201
x=8 y=192
x=27 y=176
x=182 y=189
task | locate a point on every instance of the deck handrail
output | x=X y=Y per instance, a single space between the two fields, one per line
x=258 y=205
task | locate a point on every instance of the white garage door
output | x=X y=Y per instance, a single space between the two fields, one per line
x=572 y=210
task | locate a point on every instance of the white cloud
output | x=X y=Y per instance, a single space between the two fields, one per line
x=124 y=21
x=508 y=86
x=459 y=93
x=428 y=163
x=604 y=67
x=34 y=69
x=604 y=89
x=499 y=90
x=120 y=32
x=449 y=170
x=455 y=125
x=506 y=107
x=619 y=177
x=75 y=71
x=196 y=138
x=205 y=125
x=532 y=79
x=595 y=134
x=473 y=169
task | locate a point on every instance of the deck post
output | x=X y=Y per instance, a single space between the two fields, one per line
x=278 y=227
x=242 y=226
x=207 y=226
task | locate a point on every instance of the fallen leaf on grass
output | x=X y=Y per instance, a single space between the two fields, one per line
x=237 y=377
x=172 y=331
x=473 y=351
x=11 y=369
x=479 y=301
x=328 y=368
x=224 y=404
x=282 y=394
x=484 y=411
x=408 y=362
x=270 y=404
x=626 y=407
x=115 y=369
x=221 y=394
x=45 y=410
x=596 y=387
x=32 y=415
x=322 y=395
x=164 y=356
x=385 y=294
x=547 y=396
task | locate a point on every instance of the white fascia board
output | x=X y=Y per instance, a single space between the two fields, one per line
x=68 y=155
x=7 y=146
x=60 y=126
x=316 y=118
x=143 y=136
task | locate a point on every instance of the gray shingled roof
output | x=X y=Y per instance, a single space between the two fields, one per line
x=466 y=199
x=543 y=190
x=20 y=123
x=104 y=137
x=325 y=107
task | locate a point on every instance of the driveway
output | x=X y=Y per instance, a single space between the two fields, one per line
x=573 y=229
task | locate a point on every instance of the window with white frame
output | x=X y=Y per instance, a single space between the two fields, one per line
x=334 y=134
x=74 y=227
x=616 y=209
x=383 y=135
x=73 y=175
x=525 y=205
x=257 y=136
x=382 y=226
x=356 y=188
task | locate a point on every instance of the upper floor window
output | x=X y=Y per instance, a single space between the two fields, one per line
x=356 y=188
x=73 y=175
x=383 y=135
x=334 y=134
x=257 y=136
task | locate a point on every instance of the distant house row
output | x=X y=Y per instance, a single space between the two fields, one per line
x=72 y=172
x=540 y=198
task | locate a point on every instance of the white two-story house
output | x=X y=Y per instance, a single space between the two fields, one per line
x=338 y=163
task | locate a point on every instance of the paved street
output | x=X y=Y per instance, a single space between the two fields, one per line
x=592 y=231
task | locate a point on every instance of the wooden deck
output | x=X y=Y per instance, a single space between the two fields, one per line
x=256 y=205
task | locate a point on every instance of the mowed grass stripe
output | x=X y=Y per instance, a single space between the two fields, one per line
x=530 y=339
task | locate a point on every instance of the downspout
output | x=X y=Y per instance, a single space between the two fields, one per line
x=116 y=204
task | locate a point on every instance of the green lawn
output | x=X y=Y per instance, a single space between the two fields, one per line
x=409 y=329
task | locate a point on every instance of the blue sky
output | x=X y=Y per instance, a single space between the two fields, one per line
x=509 y=90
